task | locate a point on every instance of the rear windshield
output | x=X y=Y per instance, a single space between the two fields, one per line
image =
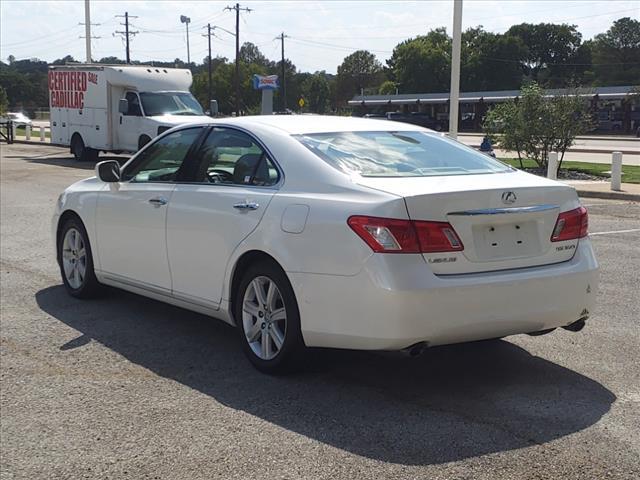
x=398 y=154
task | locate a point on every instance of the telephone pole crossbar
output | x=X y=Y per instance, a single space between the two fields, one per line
x=127 y=33
x=238 y=9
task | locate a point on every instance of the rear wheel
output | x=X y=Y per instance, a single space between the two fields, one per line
x=268 y=320
x=81 y=152
x=76 y=261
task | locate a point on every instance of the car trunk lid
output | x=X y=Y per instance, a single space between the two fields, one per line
x=504 y=220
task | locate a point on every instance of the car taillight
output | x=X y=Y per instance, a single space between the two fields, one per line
x=437 y=237
x=388 y=235
x=571 y=225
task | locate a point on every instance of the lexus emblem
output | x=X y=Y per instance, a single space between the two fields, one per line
x=509 y=197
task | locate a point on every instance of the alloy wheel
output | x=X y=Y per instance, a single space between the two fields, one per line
x=74 y=258
x=264 y=317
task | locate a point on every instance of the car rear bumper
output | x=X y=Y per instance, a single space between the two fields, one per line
x=396 y=301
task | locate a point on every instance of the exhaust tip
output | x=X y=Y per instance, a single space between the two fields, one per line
x=415 y=350
x=576 y=326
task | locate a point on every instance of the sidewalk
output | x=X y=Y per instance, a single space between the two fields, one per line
x=629 y=191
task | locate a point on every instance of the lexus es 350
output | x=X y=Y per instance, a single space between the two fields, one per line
x=314 y=231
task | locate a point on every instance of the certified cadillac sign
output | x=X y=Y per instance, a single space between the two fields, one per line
x=509 y=197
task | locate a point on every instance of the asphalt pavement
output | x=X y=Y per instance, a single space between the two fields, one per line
x=124 y=387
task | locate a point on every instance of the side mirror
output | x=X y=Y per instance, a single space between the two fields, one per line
x=123 y=106
x=108 y=171
x=213 y=108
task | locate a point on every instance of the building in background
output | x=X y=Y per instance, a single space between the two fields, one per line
x=615 y=109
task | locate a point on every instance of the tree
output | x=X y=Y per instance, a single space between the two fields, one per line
x=535 y=125
x=358 y=71
x=4 y=101
x=491 y=61
x=616 y=54
x=552 y=49
x=250 y=53
x=316 y=91
x=423 y=64
x=387 y=88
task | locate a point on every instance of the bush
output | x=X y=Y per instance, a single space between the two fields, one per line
x=535 y=124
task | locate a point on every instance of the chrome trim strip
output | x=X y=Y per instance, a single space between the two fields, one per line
x=501 y=211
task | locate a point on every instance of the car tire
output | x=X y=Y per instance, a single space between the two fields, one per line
x=81 y=152
x=143 y=140
x=76 y=260
x=268 y=319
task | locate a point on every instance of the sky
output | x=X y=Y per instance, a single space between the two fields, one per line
x=320 y=33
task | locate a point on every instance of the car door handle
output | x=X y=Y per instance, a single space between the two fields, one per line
x=246 y=206
x=158 y=201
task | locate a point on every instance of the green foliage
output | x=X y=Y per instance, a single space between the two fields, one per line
x=4 y=101
x=552 y=51
x=616 y=54
x=422 y=64
x=387 y=88
x=535 y=125
x=360 y=70
x=316 y=91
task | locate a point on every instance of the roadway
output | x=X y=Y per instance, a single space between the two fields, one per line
x=126 y=387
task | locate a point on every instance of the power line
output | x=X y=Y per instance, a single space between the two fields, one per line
x=126 y=32
x=237 y=8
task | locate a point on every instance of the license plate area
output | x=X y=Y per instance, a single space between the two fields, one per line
x=500 y=240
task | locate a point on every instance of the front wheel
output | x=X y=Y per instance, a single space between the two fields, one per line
x=268 y=319
x=76 y=261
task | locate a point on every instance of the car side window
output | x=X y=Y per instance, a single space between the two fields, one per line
x=231 y=157
x=134 y=109
x=162 y=160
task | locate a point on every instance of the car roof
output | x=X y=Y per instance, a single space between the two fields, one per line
x=302 y=124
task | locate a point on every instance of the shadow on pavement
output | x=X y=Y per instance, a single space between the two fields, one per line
x=451 y=403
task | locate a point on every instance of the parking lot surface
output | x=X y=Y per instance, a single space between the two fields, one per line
x=126 y=387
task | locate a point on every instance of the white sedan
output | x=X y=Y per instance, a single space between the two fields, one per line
x=314 y=231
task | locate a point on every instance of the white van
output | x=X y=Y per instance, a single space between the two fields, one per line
x=117 y=108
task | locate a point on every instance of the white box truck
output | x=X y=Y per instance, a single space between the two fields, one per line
x=117 y=108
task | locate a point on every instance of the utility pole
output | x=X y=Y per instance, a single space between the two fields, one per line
x=126 y=32
x=237 y=8
x=87 y=30
x=454 y=96
x=186 y=21
x=208 y=35
x=283 y=83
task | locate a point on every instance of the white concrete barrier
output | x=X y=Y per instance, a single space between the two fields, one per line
x=616 y=170
x=42 y=134
x=552 y=166
x=27 y=132
x=14 y=128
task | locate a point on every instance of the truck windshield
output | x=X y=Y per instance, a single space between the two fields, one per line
x=169 y=103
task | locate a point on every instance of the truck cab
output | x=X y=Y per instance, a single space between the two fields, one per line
x=143 y=115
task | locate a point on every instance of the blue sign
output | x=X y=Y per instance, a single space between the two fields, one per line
x=265 y=82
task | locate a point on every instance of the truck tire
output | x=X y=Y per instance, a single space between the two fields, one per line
x=80 y=151
x=143 y=140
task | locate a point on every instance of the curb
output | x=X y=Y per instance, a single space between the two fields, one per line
x=633 y=197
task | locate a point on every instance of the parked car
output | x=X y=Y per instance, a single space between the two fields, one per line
x=316 y=231
x=19 y=118
x=417 y=118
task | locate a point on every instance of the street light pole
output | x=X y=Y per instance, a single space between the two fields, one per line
x=454 y=96
x=87 y=29
x=186 y=21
